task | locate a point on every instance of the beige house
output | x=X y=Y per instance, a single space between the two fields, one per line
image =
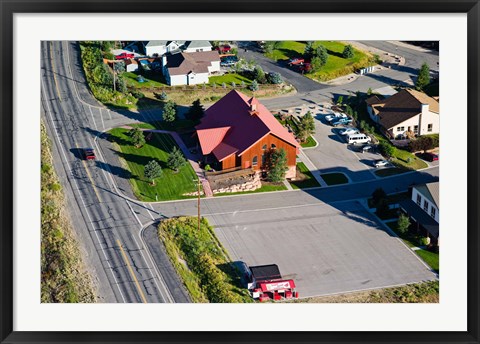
x=408 y=112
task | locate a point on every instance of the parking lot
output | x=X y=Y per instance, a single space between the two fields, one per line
x=325 y=248
x=334 y=155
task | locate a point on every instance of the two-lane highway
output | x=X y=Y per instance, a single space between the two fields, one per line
x=104 y=220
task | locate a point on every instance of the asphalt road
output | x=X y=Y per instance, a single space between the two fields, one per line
x=107 y=224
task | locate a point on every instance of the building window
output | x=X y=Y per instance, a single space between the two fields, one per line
x=400 y=128
x=425 y=206
x=430 y=127
x=274 y=146
x=264 y=159
x=255 y=161
x=432 y=212
x=415 y=129
x=264 y=147
x=419 y=200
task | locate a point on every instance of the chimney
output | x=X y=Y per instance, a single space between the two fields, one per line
x=164 y=60
x=253 y=107
x=423 y=112
x=424 y=108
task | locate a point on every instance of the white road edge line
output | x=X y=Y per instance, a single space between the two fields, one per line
x=80 y=194
x=154 y=266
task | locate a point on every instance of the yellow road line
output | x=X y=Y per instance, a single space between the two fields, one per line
x=131 y=272
x=90 y=177
x=53 y=72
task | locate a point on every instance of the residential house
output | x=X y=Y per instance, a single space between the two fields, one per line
x=196 y=46
x=190 y=68
x=408 y=112
x=131 y=65
x=159 y=48
x=423 y=209
x=239 y=132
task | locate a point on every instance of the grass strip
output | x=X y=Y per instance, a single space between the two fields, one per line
x=64 y=277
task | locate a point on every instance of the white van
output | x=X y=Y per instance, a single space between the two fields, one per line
x=358 y=138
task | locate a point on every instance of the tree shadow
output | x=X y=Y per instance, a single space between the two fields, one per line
x=139 y=159
x=115 y=170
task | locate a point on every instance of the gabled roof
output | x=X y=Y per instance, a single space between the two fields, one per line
x=248 y=120
x=211 y=138
x=431 y=192
x=155 y=43
x=374 y=100
x=197 y=44
x=402 y=106
x=197 y=62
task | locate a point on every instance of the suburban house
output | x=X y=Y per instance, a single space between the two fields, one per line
x=423 y=209
x=159 y=48
x=196 y=46
x=239 y=132
x=190 y=68
x=407 y=112
x=131 y=65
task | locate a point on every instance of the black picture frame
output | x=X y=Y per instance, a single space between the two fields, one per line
x=10 y=7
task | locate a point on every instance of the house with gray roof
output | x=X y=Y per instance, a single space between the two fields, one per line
x=196 y=46
x=159 y=48
x=423 y=209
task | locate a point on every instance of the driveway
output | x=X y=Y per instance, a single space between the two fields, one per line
x=326 y=248
x=301 y=83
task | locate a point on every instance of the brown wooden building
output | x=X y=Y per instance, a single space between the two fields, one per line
x=238 y=131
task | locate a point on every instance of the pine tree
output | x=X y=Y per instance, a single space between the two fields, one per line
x=423 y=77
x=137 y=136
x=403 y=223
x=348 y=52
x=277 y=166
x=196 y=111
x=152 y=171
x=322 y=54
x=254 y=85
x=309 y=50
x=176 y=159
x=170 y=111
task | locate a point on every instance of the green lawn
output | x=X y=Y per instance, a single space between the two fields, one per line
x=334 y=178
x=431 y=258
x=266 y=187
x=310 y=142
x=171 y=185
x=153 y=80
x=228 y=79
x=308 y=182
x=336 y=65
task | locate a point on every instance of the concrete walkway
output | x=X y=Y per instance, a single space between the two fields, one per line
x=189 y=156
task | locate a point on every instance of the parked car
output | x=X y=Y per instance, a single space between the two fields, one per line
x=334 y=116
x=381 y=163
x=124 y=56
x=296 y=61
x=342 y=121
x=430 y=157
x=367 y=148
x=88 y=154
x=348 y=131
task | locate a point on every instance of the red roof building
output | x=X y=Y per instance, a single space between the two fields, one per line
x=239 y=131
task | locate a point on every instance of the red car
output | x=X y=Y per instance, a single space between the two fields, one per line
x=124 y=56
x=88 y=154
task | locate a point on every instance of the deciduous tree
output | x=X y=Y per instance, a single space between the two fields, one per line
x=423 y=77
x=277 y=165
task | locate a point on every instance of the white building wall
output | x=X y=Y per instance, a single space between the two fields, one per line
x=160 y=50
x=193 y=50
x=427 y=118
x=195 y=79
x=411 y=122
x=214 y=67
x=176 y=80
x=415 y=193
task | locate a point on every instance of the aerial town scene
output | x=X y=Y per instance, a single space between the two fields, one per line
x=240 y=172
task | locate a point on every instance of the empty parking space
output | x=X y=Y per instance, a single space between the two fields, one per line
x=325 y=248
